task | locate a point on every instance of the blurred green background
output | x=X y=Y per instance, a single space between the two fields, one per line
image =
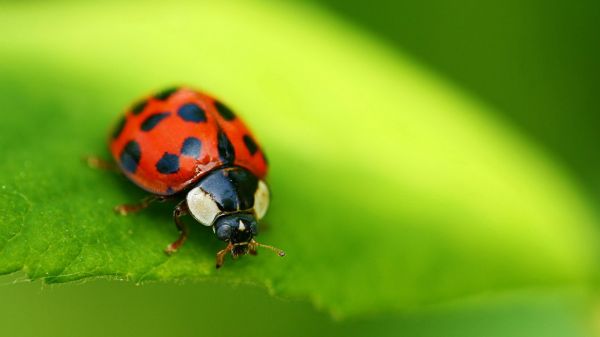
x=534 y=63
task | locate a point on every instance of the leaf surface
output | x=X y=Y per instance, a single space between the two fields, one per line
x=391 y=188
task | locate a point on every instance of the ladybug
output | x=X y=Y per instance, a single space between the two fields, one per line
x=186 y=145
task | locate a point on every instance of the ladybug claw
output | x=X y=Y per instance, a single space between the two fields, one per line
x=121 y=210
x=101 y=164
x=170 y=250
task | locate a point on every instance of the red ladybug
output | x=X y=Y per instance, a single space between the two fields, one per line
x=186 y=145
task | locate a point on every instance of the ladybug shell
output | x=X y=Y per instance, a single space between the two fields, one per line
x=168 y=141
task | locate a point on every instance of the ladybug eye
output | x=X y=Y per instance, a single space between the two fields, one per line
x=224 y=232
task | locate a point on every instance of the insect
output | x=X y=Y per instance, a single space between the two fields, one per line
x=185 y=145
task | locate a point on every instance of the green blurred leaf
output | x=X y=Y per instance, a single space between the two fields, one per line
x=537 y=63
x=392 y=190
x=141 y=312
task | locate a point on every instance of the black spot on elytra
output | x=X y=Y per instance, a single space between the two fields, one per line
x=165 y=94
x=168 y=164
x=250 y=144
x=138 y=107
x=130 y=156
x=191 y=147
x=224 y=111
x=226 y=150
x=151 y=121
x=191 y=112
x=119 y=128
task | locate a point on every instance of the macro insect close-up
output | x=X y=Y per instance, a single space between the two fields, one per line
x=299 y=168
x=184 y=145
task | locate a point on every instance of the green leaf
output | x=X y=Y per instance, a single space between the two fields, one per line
x=391 y=189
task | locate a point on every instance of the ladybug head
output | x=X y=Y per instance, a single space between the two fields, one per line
x=239 y=229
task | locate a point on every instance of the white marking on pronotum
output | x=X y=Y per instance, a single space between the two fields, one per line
x=241 y=227
x=202 y=206
x=261 y=200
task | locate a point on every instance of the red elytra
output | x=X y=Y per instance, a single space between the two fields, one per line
x=168 y=141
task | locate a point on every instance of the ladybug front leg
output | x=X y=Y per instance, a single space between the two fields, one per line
x=180 y=210
x=126 y=209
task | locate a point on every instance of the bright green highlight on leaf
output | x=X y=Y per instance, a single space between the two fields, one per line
x=391 y=189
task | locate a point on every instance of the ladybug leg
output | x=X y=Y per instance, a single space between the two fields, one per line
x=221 y=255
x=126 y=209
x=180 y=210
x=252 y=250
x=101 y=164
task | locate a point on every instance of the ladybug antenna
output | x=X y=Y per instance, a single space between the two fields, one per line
x=274 y=249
